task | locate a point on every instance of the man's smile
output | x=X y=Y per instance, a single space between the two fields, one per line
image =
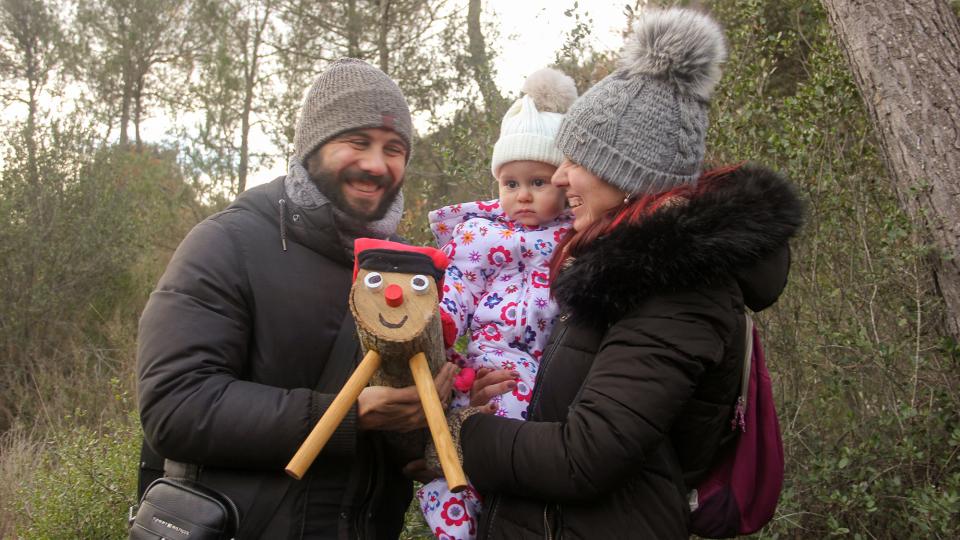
x=363 y=188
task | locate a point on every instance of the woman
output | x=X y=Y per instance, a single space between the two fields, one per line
x=635 y=392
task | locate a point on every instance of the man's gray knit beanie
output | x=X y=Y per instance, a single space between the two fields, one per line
x=350 y=94
x=642 y=128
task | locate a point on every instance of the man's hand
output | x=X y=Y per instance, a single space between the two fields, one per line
x=398 y=409
x=491 y=382
x=417 y=470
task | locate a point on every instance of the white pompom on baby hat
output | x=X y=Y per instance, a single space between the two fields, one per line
x=529 y=129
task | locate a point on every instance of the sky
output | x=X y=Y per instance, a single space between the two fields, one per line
x=531 y=31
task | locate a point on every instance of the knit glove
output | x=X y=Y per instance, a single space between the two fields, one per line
x=464 y=380
x=449 y=329
x=455 y=420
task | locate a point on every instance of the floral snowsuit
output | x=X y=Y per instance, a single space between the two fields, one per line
x=497 y=290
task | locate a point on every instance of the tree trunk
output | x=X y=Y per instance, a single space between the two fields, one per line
x=138 y=111
x=354 y=29
x=125 y=113
x=250 y=76
x=32 y=109
x=382 y=46
x=244 y=166
x=126 y=77
x=905 y=57
x=478 y=57
x=418 y=328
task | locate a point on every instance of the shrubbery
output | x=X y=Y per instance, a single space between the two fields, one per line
x=84 y=483
x=83 y=238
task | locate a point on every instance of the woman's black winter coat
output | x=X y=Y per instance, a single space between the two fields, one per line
x=642 y=373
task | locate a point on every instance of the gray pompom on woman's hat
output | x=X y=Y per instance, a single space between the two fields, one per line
x=642 y=128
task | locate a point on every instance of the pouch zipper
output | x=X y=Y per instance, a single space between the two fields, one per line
x=549 y=519
x=546 y=522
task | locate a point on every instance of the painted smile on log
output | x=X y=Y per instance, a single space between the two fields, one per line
x=390 y=324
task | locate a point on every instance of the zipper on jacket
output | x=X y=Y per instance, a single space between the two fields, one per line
x=283 y=223
x=545 y=364
x=488 y=515
x=370 y=493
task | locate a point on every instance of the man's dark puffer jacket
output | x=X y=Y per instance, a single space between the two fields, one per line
x=231 y=346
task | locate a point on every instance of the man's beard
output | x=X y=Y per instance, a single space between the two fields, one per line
x=331 y=185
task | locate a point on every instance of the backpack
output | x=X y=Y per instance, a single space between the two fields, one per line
x=740 y=493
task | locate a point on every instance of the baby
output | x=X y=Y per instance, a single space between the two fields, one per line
x=497 y=287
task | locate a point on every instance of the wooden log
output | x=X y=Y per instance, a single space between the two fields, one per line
x=332 y=417
x=398 y=332
x=397 y=315
x=397 y=319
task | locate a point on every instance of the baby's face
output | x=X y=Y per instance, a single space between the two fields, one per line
x=526 y=193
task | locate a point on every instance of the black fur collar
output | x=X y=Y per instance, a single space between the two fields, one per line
x=726 y=227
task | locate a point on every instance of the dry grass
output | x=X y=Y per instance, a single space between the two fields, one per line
x=81 y=386
x=20 y=456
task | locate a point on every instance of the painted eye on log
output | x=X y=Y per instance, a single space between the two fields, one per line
x=420 y=283
x=373 y=281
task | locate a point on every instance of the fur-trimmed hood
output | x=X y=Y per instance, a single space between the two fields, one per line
x=737 y=227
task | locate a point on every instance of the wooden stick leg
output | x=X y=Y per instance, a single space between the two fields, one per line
x=452 y=470
x=334 y=414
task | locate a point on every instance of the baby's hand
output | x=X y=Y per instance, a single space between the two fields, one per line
x=491 y=382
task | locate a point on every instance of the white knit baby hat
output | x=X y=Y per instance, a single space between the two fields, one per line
x=529 y=128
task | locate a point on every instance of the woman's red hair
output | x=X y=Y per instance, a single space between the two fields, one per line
x=631 y=213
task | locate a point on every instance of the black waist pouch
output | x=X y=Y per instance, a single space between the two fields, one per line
x=180 y=509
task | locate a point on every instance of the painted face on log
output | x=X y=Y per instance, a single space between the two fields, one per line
x=397 y=305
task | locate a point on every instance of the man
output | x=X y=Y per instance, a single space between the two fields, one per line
x=234 y=353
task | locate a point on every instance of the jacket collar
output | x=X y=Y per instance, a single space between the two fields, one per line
x=729 y=230
x=313 y=228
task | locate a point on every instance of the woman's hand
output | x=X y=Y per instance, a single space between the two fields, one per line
x=490 y=383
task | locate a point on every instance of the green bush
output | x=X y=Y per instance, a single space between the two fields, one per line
x=414 y=526
x=86 y=481
x=84 y=233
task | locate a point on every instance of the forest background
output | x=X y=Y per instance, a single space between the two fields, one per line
x=866 y=372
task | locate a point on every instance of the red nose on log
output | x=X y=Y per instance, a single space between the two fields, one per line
x=393 y=295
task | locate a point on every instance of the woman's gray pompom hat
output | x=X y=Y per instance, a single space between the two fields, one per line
x=642 y=128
